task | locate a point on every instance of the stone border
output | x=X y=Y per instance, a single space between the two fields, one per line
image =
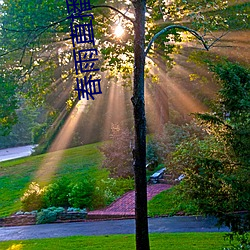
x=30 y=219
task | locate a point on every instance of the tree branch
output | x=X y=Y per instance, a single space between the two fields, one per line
x=37 y=28
x=193 y=32
x=218 y=38
x=113 y=8
x=24 y=46
x=41 y=30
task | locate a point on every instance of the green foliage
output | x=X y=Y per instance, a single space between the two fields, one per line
x=91 y=193
x=31 y=46
x=38 y=131
x=216 y=168
x=236 y=16
x=205 y=175
x=52 y=130
x=65 y=193
x=103 y=193
x=118 y=153
x=108 y=190
x=81 y=194
x=8 y=106
x=243 y=242
x=32 y=198
x=56 y=194
x=61 y=193
x=48 y=215
x=73 y=209
x=123 y=185
x=21 y=132
x=151 y=154
x=232 y=119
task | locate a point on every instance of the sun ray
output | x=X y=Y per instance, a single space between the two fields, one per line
x=51 y=161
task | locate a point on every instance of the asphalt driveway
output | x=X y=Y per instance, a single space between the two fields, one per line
x=156 y=225
x=17 y=152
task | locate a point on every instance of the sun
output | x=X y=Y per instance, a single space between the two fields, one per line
x=119 y=31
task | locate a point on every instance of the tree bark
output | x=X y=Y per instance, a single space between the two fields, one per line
x=139 y=151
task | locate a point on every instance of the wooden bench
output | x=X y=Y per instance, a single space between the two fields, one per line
x=155 y=177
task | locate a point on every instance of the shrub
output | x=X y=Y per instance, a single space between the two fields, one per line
x=57 y=193
x=216 y=168
x=118 y=153
x=81 y=194
x=33 y=197
x=48 y=215
x=103 y=195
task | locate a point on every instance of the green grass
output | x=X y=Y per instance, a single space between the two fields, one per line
x=16 y=175
x=170 y=241
x=169 y=203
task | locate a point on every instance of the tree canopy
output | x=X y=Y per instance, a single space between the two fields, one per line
x=36 y=47
x=216 y=168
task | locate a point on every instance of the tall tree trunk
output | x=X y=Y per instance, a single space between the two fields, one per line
x=139 y=152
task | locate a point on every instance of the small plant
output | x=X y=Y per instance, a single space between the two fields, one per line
x=76 y=210
x=73 y=209
x=103 y=195
x=243 y=242
x=48 y=215
x=33 y=197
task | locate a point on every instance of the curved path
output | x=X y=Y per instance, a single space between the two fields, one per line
x=125 y=206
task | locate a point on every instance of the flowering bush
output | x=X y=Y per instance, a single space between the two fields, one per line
x=33 y=197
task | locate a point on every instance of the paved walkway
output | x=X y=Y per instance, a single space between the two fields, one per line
x=125 y=206
x=156 y=225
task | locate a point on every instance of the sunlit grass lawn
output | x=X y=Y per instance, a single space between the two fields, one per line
x=16 y=175
x=170 y=241
x=170 y=202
